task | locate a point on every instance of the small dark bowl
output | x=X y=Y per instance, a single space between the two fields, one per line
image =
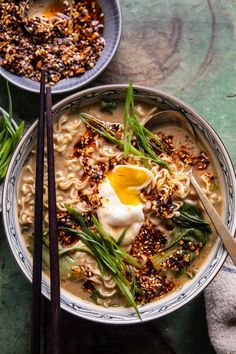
x=112 y=34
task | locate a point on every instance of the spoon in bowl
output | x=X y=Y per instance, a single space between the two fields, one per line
x=44 y=10
x=170 y=117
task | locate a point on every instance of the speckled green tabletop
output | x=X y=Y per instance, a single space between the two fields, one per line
x=187 y=48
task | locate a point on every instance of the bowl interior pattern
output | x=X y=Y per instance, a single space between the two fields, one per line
x=112 y=34
x=176 y=299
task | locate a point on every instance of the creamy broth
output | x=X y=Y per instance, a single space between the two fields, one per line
x=70 y=176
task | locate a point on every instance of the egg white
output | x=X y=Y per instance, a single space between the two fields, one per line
x=116 y=216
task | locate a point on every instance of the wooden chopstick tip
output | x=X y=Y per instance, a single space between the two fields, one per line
x=42 y=78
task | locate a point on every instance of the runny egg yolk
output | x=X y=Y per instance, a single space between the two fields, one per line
x=127 y=181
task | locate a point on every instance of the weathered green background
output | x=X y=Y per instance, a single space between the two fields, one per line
x=188 y=48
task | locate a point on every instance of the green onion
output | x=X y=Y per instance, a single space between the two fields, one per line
x=122 y=236
x=134 y=128
x=146 y=140
x=103 y=130
x=9 y=137
x=108 y=254
x=126 y=140
x=99 y=127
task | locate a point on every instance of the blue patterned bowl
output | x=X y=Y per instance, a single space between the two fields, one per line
x=208 y=269
x=112 y=34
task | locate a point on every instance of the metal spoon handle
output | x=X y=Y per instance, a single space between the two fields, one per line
x=220 y=227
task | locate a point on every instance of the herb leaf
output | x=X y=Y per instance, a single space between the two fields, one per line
x=192 y=217
x=108 y=106
x=191 y=227
x=180 y=233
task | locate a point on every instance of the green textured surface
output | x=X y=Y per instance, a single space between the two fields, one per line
x=183 y=47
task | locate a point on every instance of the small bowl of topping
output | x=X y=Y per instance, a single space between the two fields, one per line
x=72 y=40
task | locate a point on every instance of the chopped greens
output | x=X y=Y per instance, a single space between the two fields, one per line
x=108 y=254
x=108 y=106
x=9 y=137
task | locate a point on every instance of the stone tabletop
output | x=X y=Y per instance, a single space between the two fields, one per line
x=187 y=48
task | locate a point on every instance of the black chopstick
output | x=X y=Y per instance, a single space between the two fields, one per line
x=38 y=227
x=54 y=258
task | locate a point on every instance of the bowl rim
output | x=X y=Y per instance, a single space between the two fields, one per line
x=104 y=89
x=9 y=76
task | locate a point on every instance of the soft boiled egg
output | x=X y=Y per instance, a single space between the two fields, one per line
x=121 y=206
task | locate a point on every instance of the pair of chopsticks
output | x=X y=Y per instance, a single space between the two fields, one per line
x=38 y=229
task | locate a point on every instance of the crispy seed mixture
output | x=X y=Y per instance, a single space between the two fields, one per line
x=160 y=207
x=63 y=46
x=182 y=257
x=168 y=141
x=92 y=201
x=82 y=271
x=64 y=219
x=83 y=149
x=151 y=284
x=85 y=143
x=201 y=161
x=148 y=241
